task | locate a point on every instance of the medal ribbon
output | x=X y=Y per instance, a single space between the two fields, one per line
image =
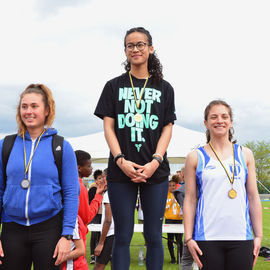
x=137 y=104
x=24 y=152
x=231 y=179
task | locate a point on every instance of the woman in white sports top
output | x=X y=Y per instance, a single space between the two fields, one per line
x=222 y=208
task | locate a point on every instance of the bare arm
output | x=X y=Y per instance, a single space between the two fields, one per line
x=78 y=251
x=128 y=167
x=190 y=204
x=255 y=207
x=105 y=228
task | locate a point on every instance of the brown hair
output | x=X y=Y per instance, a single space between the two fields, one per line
x=206 y=113
x=175 y=178
x=48 y=101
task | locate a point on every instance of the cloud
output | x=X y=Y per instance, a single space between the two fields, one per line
x=52 y=7
x=208 y=49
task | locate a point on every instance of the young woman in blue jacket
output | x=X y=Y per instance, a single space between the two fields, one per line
x=38 y=213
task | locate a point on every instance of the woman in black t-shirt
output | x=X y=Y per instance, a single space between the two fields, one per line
x=138 y=113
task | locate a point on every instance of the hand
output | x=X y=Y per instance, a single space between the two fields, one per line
x=194 y=251
x=129 y=168
x=62 y=250
x=1 y=252
x=146 y=171
x=98 y=249
x=256 y=248
x=101 y=187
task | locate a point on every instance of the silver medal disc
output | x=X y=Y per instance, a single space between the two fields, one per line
x=25 y=183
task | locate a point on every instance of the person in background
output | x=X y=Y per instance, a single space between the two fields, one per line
x=223 y=226
x=173 y=215
x=87 y=211
x=138 y=112
x=179 y=194
x=76 y=258
x=175 y=178
x=38 y=211
x=98 y=180
x=103 y=251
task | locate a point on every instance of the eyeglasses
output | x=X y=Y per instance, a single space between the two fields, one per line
x=140 y=46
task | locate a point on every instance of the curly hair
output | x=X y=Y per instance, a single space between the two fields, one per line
x=154 y=65
x=47 y=99
x=206 y=113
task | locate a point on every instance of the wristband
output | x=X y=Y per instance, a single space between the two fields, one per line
x=120 y=155
x=158 y=159
x=158 y=155
x=185 y=243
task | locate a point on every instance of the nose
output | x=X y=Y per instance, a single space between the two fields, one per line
x=28 y=109
x=135 y=48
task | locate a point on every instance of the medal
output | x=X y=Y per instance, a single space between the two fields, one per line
x=232 y=193
x=138 y=117
x=25 y=183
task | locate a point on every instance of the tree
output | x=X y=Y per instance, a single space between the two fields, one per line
x=261 y=152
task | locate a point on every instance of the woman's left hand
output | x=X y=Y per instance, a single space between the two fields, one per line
x=146 y=171
x=256 y=249
x=62 y=250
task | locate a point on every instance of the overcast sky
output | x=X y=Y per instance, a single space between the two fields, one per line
x=209 y=49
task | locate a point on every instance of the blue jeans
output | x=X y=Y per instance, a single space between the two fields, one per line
x=123 y=198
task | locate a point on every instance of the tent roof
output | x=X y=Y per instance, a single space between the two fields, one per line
x=183 y=141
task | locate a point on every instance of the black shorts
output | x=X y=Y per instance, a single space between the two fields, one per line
x=106 y=253
x=226 y=255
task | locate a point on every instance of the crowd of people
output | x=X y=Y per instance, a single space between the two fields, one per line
x=46 y=209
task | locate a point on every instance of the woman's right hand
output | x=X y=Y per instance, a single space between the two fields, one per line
x=130 y=168
x=194 y=251
x=1 y=252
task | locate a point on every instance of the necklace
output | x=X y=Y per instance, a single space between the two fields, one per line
x=25 y=183
x=232 y=192
x=138 y=117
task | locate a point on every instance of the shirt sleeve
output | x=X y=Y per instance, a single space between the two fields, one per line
x=106 y=106
x=2 y=184
x=106 y=198
x=70 y=188
x=169 y=112
x=91 y=193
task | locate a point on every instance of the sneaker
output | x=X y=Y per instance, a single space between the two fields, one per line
x=173 y=261
x=92 y=259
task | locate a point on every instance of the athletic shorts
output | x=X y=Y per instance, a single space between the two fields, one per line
x=106 y=253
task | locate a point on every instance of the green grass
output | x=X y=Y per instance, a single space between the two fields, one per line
x=138 y=241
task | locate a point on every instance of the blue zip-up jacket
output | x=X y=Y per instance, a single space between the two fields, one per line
x=43 y=199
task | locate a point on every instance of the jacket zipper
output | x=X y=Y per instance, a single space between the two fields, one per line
x=28 y=189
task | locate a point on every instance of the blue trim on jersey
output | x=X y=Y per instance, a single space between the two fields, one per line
x=203 y=160
x=241 y=160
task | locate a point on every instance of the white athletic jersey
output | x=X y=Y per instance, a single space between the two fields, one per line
x=219 y=217
x=104 y=201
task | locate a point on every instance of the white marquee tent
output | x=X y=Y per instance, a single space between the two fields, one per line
x=183 y=141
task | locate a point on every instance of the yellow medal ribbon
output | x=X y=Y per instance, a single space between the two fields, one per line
x=137 y=104
x=232 y=193
x=30 y=159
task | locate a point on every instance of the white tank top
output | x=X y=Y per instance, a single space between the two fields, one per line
x=219 y=217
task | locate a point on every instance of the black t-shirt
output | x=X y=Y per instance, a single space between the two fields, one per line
x=138 y=140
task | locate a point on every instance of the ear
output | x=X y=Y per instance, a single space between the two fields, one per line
x=47 y=111
x=205 y=124
x=151 y=49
